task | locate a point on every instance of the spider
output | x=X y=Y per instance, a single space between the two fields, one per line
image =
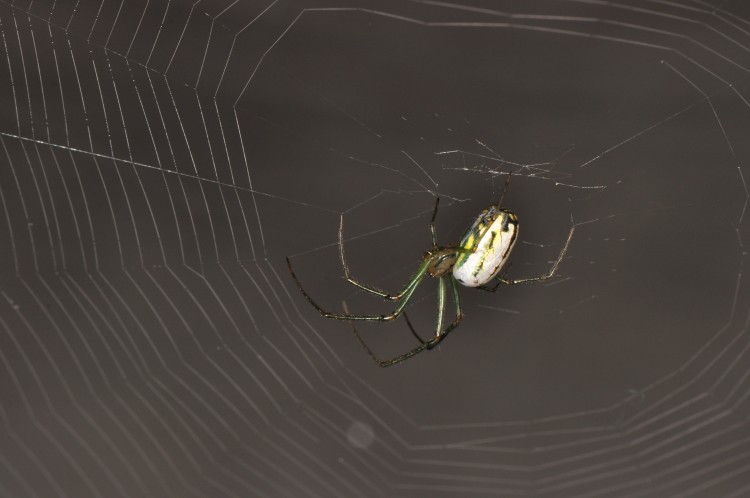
x=474 y=262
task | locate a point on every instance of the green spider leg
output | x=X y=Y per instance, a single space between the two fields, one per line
x=549 y=274
x=403 y=297
x=374 y=290
x=440 y=334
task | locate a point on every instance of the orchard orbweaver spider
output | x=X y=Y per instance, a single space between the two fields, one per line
x=474 y=262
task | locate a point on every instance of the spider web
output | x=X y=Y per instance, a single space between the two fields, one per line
x=160 y=159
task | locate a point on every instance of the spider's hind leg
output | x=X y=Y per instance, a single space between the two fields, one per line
x=549 y=274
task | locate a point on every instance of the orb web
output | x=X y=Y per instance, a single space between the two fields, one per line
x=160 y=161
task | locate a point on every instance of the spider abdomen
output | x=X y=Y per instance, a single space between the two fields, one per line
x=489 y=241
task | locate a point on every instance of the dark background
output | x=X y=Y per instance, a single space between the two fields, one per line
x=160 y=159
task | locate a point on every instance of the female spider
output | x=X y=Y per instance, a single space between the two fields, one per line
x=474 y=262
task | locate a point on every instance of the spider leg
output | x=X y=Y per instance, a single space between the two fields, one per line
x=439 y=334
x=459 y=313
x=404 y=295
x=411 y=328
x=440 y=307
x=457 y=302
x=549 y=274
x=367 y=348
x=432 y=224
x=348 y=276
x=502 y=194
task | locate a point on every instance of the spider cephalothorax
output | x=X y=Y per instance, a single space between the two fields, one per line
x=474 y=262
x=442 y=261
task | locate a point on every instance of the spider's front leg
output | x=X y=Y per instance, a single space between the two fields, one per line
x=368 y=288
x=405 y=294
x=348 y=276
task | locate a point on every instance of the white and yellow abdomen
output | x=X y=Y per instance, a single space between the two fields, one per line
x=490 y=240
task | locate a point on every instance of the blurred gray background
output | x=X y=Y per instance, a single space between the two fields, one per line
x=160 y=159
